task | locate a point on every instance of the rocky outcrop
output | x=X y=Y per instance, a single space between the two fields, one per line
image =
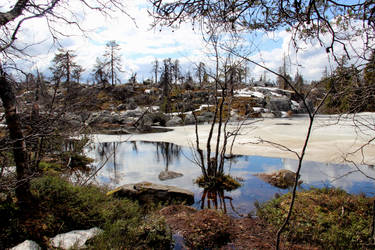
x=146 y=193
x=278 y=104
x=76 y=238
x=302 y=107
x=205 y=117
x=189 y=119
x=175 y=121
x=282 y=178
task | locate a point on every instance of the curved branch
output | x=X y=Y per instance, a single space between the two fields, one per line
x=19 y=7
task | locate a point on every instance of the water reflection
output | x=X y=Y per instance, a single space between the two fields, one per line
x=168 y=152
x=107 y=151
x=144 y=161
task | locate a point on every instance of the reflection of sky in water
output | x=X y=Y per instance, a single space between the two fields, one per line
x=143 y=161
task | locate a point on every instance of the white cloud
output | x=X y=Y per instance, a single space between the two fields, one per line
x=140 y=44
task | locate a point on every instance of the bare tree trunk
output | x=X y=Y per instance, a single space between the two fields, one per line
x=16 y=135
x=112 y=67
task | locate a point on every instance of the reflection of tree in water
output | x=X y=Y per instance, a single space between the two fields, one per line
x=214 y=188
x=107 y=150
x=134 y=146
x=168 y=152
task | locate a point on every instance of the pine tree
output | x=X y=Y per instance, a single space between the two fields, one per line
x=200 y=72
x=64 y=66
x=155 y=69
x=165 y=84
x=112 y=60
x=101 y=75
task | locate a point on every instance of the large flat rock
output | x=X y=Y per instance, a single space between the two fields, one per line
x=147 y=192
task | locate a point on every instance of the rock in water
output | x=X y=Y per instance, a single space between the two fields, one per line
x=167 y=175
x=76 y=238
x=27 y=245
x=282 y=178
x=146 y=192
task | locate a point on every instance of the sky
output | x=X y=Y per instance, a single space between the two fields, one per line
x=141 y=44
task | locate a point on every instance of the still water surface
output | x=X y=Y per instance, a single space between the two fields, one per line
x=136 y=161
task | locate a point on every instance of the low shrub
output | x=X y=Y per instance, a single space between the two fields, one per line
x=59 y=206
x=218 y=182
x=330 y=218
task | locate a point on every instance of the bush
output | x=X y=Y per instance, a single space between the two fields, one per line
x=60 y=207
x=151 y=233
x=329 y=218
x=218 y=182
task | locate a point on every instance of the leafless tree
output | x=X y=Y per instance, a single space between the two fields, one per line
x=307 y=20
x=12 y=18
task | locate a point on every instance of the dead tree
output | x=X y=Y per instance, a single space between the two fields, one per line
x=11 y=21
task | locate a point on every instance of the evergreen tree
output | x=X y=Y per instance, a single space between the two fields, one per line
x=112 y=61
x=368 y=89
x=101 y=75
x=64 y=66
x=176 y=70
x=298 y=82
x=155 y=69
x=200 y=70
x=165 y=84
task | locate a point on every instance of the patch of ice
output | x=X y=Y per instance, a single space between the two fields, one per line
x=248 y=93
x=257 y=109
x=205 y=106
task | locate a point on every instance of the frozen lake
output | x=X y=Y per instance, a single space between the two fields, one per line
x=136 y=161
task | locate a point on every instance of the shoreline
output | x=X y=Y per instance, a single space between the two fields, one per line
x=332 y=137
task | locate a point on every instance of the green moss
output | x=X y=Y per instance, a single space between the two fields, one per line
x=329 y=218
x=48 y=166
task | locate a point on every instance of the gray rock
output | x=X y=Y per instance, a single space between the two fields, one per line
x=189 y=119
x=100 y=117
x=167 y=175
x=73 y=119
x=84 y=115
x=208 y=115
x=131 y=106
x=146 y=192
x=282 y=178
x=159 y=118
x=175 y=121
x=205 y=117
x=121 y=107
x=76 y=238
x=302 y=107
x=133 y=113
x=147 y=120
x=278 y=104
x=27 y=245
